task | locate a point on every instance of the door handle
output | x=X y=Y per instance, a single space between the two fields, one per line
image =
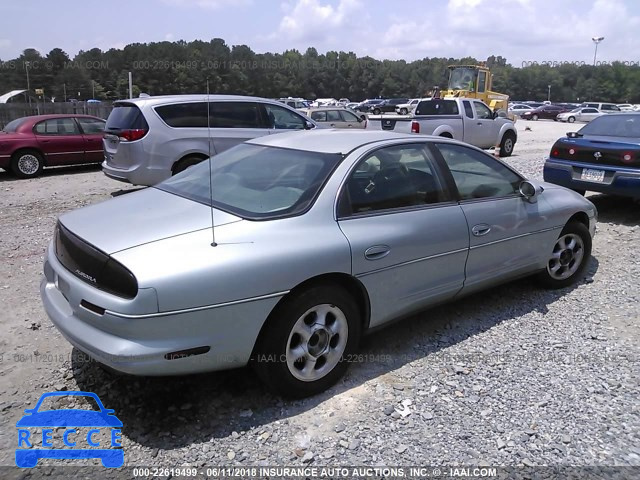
x=479 y=123
x=333 y=124
x=377 y=252
x=481 y=229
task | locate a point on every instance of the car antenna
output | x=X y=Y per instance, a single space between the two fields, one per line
x=213 y=231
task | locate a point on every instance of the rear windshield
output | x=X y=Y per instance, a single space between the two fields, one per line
x=625 y=125
x=437 y=107
x=13 y=125
x=126 y=117
x=256 y=182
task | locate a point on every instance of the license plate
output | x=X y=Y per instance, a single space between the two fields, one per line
x=592 y=175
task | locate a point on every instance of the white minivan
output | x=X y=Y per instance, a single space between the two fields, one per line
x=149 y=139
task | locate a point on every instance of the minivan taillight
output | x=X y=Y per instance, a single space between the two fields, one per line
x=415 y=127
x=132 y=135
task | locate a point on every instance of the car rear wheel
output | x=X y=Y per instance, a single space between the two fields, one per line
x=571 y=119
x=27 y=164
x=507 y=144
x=182 y=165
x=403 y=111
x=305 y=345
x=376 y=111
x=569 y=257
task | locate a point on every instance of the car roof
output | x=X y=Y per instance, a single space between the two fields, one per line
x=163 y=99
x=328 y=140
x=58 y=115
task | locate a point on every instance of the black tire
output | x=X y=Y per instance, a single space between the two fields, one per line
x=446 y=135
x=182 y=165
x=534 y=117
x=274 y=346
x=571 y=231
x=404 y=111
x=507 y=144
x=376 y=111
x=27 y=164
x=571 y=119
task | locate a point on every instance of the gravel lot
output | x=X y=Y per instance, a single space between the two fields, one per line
x=513 y=376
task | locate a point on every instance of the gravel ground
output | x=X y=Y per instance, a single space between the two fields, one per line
x=513 y=376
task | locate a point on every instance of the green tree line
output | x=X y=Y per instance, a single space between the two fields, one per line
x=187 y=67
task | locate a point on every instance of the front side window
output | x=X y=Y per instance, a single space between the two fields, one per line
x=392 y=177
x=255 y=182
x=281 y=118
x=57 y=126
x=91 y=126
x=483 y=111
x=478 y=175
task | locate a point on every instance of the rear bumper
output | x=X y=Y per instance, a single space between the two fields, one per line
x=623 y=181
x=138 y=344
x=137 y=175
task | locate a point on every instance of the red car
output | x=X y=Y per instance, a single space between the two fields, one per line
x=30 y=143
x=549 y=112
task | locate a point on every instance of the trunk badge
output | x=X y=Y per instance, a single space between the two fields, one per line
x=597 y=155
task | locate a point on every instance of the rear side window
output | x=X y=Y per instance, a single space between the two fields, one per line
x=437 y=107
x=234 y=115
x=184 y=115
x=13 y=125
x=468 y=111
x=57 y=126
x=126 y=117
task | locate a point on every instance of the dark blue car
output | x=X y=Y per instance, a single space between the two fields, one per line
x=68 y=418
x=603 y=156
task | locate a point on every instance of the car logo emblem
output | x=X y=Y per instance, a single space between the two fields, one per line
x=597 y=155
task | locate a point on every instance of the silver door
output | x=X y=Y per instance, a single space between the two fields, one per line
x=506 y=231
x=233 y=123
x=409 y=241
x=483 y=129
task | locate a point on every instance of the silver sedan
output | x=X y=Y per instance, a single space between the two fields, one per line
x=282 y=251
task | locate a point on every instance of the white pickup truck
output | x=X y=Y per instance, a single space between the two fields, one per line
x=465 y=119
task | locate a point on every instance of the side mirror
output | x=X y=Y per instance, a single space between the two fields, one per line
x=308 y=125
x=530 y=191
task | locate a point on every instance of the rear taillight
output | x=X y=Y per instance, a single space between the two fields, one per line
x=627 y=157
x=132 y=135
x=415 y=127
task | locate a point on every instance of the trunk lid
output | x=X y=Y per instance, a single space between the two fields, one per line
x=140 y=217
x=601 y=150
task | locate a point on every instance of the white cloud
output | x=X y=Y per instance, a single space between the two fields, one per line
x=5 y=42
x=169 y=37
x=312 y=20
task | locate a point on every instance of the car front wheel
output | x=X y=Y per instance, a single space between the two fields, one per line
x=534 y=117
x=305 y=345
x=403 y=111
x=27 y=164
x=571 y=119
x=569 y=257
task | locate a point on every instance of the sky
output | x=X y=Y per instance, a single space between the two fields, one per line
x=522 y=31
